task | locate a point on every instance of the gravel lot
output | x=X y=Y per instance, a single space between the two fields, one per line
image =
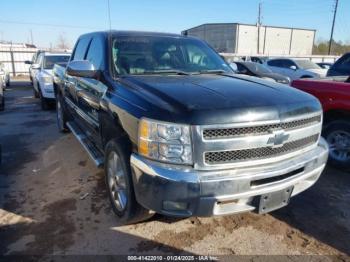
x=53 y=201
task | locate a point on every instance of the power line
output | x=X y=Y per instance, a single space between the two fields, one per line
x=43 y=24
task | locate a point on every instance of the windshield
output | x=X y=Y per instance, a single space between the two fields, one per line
x=136 y=55
x=257 y=68
x=50 y=61
x=307 y=64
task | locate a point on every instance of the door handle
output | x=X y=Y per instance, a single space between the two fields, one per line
x=88 y=98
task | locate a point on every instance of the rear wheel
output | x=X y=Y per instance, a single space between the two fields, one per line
x=2 y=104
x=61 y=116
x=337 y=134
x=119 y=184
x=35 y=93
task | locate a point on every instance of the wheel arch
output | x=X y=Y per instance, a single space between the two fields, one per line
x=335 y=114
x=111 y=127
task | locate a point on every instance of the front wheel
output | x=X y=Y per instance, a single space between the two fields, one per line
x=61 y=116
x=337 y=134
x=119 y=184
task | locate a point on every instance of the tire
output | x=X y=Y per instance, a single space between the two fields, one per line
x=126 y=208
x=2 y=105
x=337 y=134
x=35 y=93
x=61 y=116
x=43 y=102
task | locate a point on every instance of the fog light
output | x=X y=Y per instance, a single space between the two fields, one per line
x=173 y=206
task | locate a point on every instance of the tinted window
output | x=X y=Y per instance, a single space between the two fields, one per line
x=344 y=63
x=277 y=63
x=95 y=53
x=241 y=68
x=287 y=63
x=307 y=64
x=152 y=55
x=50 y=61
x=81 y=48
x=39 y=59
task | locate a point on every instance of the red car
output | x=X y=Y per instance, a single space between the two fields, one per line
x=334 y=95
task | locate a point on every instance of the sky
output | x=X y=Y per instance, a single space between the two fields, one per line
x=48 y=19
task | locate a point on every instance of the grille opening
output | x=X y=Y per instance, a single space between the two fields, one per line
x=269 y=180
x=222 y=157
x=220 y=133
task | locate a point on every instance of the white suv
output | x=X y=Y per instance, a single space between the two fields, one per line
x=296 y=68
x=43 y=78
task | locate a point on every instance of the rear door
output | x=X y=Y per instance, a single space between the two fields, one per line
x=288 y=71
x=89 y=91
x=276 y=65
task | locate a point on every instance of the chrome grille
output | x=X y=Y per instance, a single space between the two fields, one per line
x=221 y=133
x=223 y=157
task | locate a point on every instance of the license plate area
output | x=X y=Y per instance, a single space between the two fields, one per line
x=275 y=200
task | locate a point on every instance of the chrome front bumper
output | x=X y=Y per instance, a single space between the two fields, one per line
x=184 y=191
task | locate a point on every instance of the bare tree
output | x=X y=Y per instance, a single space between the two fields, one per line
x=62 y=42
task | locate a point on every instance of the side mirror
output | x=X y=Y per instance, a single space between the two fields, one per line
x=82 y=68
x=27 y=62
x=234 y=67
x=293 y=67
x=35 y=66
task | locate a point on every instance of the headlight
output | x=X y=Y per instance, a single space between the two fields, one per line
x=46 y=79
x=165 y=141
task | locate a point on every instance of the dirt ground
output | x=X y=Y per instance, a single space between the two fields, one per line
x=53 y=201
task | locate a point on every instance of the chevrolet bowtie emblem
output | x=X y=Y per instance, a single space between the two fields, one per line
x=278 y=138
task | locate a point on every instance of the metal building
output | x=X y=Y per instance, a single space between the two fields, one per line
x=244 y=38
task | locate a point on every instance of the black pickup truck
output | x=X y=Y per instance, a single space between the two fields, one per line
x=178 y=133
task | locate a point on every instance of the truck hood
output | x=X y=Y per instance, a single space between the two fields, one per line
x=219 y=98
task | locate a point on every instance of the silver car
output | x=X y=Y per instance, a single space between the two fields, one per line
x=296 y=68
x=2 y=98
x=4 y=75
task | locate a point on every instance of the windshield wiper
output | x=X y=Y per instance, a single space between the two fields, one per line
x=170 y=71
x=214 y=71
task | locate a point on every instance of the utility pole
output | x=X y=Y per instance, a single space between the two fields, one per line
x=259 y=25
x=332 y=31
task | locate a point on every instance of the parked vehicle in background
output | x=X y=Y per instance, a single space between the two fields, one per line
x=258 y=59
x=334 y=94
x=43 y=78
x=180 y=134
x=33 y=65
x=2 y=96
x=261 y=71
x=325 y=65
x=4 y=75
x=341 y=67
x=296 y=68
